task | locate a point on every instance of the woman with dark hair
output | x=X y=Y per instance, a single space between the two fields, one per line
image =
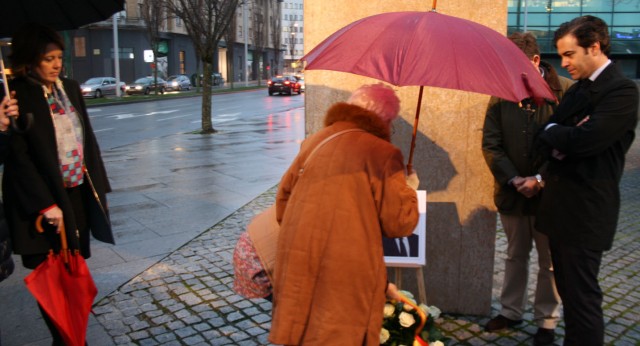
x=53 y=169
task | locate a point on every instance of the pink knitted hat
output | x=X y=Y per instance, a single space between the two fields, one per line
x=377 y=98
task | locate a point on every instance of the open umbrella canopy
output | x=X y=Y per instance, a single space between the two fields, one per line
x=58 y=14
x=431 y=49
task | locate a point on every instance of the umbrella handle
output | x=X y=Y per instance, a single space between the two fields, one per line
x=64 y=250
x=415 y=133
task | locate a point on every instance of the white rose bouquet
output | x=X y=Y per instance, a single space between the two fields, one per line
x=401 y=320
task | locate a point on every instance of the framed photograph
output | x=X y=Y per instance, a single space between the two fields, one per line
x=409 y=251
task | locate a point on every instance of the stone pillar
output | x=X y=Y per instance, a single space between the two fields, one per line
x=461 y=219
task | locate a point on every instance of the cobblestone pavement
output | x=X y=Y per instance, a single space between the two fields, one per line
x=187 y=298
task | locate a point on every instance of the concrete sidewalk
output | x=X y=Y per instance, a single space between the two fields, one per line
x=167 y=191
x=169 y=279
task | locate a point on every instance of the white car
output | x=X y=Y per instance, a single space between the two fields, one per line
x=97 y=87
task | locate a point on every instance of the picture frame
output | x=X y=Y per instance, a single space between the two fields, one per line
x=409 y=251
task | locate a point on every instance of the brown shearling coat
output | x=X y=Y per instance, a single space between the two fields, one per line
x=330 y=276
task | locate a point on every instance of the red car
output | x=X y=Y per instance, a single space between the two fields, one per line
x=284 y=85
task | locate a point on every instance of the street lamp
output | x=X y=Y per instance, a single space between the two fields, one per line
x=246 y=42
x=293 y=29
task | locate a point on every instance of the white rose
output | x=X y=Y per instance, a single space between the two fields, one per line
x=434 y=312
x=389 y=309
x=436 y=343
x=406 y=294
x=424 y=309
x=406 y=320
x=407 y=307
x=384 y=336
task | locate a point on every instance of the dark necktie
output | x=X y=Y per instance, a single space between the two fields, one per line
x=403 y=249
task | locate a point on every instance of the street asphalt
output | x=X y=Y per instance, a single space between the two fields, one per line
x=179 y=205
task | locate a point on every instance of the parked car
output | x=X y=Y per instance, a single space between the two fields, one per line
x=178 y=82
x=146 y=85
x=97 y=87
x=301 y=82
x=216 y=79
x=283 y=85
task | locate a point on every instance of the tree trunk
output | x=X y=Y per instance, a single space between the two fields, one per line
x=207 y=126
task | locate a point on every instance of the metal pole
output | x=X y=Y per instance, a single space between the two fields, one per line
x=116 y=54
x=526 y=14
x=246 y=39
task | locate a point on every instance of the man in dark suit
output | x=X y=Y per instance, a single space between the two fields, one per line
x=401 y=247
x=588 y=137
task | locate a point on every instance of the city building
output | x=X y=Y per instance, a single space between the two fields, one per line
x=252 y=48
x=543 y=17
x=293 y=35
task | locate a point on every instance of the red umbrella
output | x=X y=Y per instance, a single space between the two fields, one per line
x=431 y=49
x=63 y=286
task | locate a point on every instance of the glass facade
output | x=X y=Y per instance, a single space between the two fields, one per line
x=543 y=17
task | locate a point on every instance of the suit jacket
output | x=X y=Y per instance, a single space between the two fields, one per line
x=581 y=199
x=390 y=246
x=507 y=146
x=32 y=180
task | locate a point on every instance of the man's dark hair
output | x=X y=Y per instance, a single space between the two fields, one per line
x=29 y=45
x=526 y=42
x=587 y=30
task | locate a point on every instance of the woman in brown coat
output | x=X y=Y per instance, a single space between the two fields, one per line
x=330 y=276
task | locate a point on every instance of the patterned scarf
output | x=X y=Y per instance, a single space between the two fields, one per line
x=69 y=135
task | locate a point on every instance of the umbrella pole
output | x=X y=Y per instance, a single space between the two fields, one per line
x=4 y=76
x=415 y=132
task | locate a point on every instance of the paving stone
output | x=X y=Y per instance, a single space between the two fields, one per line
x=166 y=337
x=193 y=340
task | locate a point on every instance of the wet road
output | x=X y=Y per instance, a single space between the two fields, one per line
x=121 y=125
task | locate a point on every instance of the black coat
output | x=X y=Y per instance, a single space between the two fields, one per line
x=6 y=262
x=581 y=199
x=32 y=179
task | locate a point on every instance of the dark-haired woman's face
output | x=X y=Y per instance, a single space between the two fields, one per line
x=50 y=65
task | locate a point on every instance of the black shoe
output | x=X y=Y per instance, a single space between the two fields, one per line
x=544 y=337
x=500 y=322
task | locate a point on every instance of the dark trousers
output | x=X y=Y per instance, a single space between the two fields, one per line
x=576 y=273
x=57 y=338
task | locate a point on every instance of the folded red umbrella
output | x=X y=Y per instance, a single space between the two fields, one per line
x=63 y=286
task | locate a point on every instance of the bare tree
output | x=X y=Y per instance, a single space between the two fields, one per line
x=206 y=21
x=260 y=38
x=276 y=37
x=154 y=16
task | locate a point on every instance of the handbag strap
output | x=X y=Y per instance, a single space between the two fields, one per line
x=325 y=141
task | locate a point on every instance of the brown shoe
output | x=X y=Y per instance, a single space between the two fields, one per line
x=499 y=323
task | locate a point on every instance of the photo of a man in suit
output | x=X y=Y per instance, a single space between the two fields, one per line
x=401 y=247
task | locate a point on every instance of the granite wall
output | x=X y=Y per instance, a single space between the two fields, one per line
x=461 y=219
